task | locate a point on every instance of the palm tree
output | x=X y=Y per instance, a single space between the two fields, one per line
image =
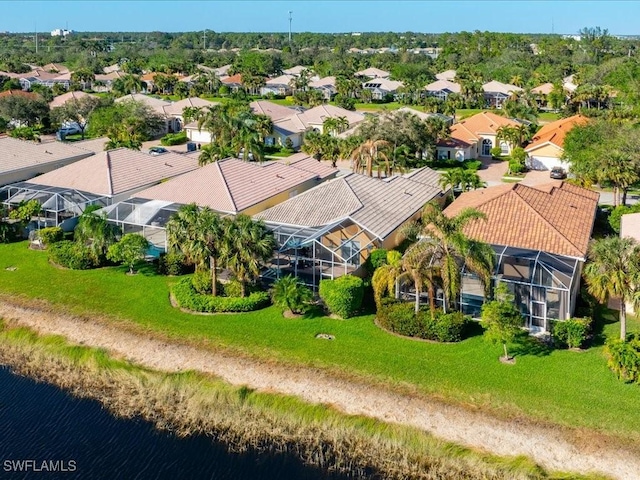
x=198 y=234
x=613 y=270
x=371 y=154
x=450 y=179
x=263 y=125
x=248 y=244
x=384 y=278
x=290 y=295
x=445 y=246
x=94 y=231
x=313 y=145
x=214 y=152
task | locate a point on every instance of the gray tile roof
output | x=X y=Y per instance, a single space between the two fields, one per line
x=379 y=206
x=19 y=154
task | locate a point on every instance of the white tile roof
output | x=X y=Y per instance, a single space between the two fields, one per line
x=440 y=85
x=499 y=87
x=281 y=80
x=65 y=97
x=297 y=70
x=449 y=75
x=175 y=108
x=270 y=109
x=372 y=73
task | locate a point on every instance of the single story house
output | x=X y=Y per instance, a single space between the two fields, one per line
x=60 y=100
x=496 y=93
x=103 y=82
x=546 y=148
x=22 y=160
x=372 y=72
x=278 y=86
x=442 y=89
x=102 y=179
x=234 y=82
x=173 y=111
x=326 y=85
x=447 y=75
x=474 y=137
x=230 y=187
x=541 y=93
x=540 y=236
x=381 y=88
x=330 y=230
x=296 y=71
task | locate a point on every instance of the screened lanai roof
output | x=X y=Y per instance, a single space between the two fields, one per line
x=141 y=212
x=53 y=199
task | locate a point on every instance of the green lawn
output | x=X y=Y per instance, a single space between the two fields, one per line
x=564 y=387
x=376 y=107
x=548 y=116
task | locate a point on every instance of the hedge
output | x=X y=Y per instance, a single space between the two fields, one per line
x=174 y=139
x=173 y=263
x=400 y=318
x=342 y=296
x=187 y=297
x=572 y=333
x=70 y=255
x=50 y=235
x=624 y=358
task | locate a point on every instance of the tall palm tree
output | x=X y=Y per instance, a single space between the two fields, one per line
x=248 y=244
x=94 y=231
x=213 y=153
x=445 y=246
x=450 y=179
x=371 y=154
x=613 y=270
x=198 y=233
x=384 y=278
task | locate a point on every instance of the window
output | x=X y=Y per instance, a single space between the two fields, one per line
x=486 y=147
x=504 y=148
x=349 y=250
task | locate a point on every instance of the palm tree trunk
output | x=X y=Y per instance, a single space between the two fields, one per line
x=417 y=304
x=214 y=275
x=506 y=355
x=432 y=297
x=623 y=319
x=243 y=292
x=623 y=202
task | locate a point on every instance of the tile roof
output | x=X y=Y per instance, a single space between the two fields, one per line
x=65 y=97
x=19 y=93
x=551 y=218
x=176 y=108
x=307 y=163
x=323 y=82
x=449 y=75
x=544 y=89
x=372 y=73
x=440 y=85
x=281 y=80
x=495 y=86
x=237 y=78
x=630 y=226
x=18 y=154
x=379 y=206
x=270 y=109
x=297 y=70
x=483 y=122
x=555 y=132
x=94 y=145
x=118 y=171
x=383 y=84
x=155 y=103
x=231 y=185
x=319 y=114
x=112 y=68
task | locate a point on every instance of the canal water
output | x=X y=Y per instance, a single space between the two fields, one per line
x=46 y=433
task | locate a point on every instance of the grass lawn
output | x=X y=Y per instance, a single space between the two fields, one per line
x=548 y=116
x=564 y=387
x=376 y=107
x=463 y=113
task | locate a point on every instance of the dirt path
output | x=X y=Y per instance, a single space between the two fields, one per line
x=547 y=446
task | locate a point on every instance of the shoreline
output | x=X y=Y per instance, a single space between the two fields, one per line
x=546 y=445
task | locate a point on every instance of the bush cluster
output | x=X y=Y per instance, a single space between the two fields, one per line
x=174 y=139
x=376 y=259
x=187 y=297
x=400 y=318
x=572 y=333
x=342 y=296
x=173 y=263
x=624 y=358
x=50 y=235
x=71 y=255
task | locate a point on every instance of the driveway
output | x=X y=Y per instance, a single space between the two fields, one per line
x=492 y=172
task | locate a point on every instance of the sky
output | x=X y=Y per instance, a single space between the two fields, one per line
x=430 y=16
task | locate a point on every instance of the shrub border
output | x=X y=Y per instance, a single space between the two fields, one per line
x=185 y=297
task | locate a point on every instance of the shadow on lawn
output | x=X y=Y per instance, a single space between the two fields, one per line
x=526 y=344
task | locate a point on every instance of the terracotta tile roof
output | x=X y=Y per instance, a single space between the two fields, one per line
x=485 y=122
x=555 y=132
x=19 y=93
x=119 y=171
x=551 y=218
x=379 y=206
x=231 y=185
x=544 y=89
x=237 y=78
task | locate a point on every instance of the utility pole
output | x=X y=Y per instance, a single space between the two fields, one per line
x=290 y=12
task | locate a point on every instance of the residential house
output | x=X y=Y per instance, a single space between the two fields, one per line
x=331 y=229
x=447 y=75
x=474 y=137
x=569 y=84
x=21 y=160
x=296 y=71
x=229 y=187
x=540 y=236
x=546 y=148
x=372 y=73
x=104 y=82
x=630 y=227
x=112 y=68
x=326 y=85
x=278 y=86
x=20 y=93
x=60 y=100
x=101 y=179
x=173 y=112
x=496 y=93
x=234 y=82
x=382 y=88
x=441 y=89
x=541 y=93
x=427 y=115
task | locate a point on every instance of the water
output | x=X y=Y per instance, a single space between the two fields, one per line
x=43 y=423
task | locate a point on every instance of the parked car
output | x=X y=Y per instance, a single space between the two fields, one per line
x=157 y=150
x=558 y=173
x=68 y=131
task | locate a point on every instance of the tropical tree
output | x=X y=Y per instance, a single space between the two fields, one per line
x=502 y=319
x=291 y=295
x=384 y=278
x=369 y=155
x=214 y=152
x=445 y=246
x=96 y=233
x=247 y=245
x=77 y=110
x=613 y=270
x=131 y=248
x=198 y=233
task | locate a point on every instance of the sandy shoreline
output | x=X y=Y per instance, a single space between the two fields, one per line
x=547 y=446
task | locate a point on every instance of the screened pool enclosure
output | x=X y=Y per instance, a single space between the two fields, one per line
x=545 y=285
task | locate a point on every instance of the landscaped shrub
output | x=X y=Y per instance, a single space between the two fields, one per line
x=400 y=317
x=377 y=258
x=187 y=297
x=174 y=139
x=71 y=255
x=232 y=288
x=615 y=217
x=342 y=296
x=496 y=152
x=624 y=358
x=173 y=263
x=201 y=282
x=572 y=333
x=50 y=235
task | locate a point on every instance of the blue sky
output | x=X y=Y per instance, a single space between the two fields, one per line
x=619 y=17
